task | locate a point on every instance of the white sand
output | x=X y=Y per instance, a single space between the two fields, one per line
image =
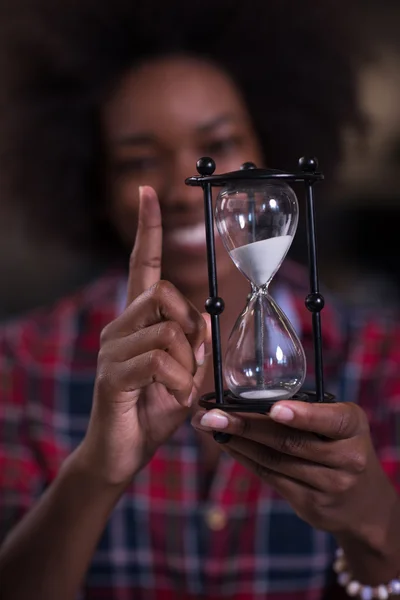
x=259 y=260
x=261 y=394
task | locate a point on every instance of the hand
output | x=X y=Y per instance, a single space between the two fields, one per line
x=319 y=457
x=151 y=362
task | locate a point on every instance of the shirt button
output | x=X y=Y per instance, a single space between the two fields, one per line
x=216 y=518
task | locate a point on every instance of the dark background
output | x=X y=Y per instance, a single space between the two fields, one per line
x=359 y=229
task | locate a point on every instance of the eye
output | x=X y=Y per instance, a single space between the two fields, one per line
x=222 y=146
x=136 y=165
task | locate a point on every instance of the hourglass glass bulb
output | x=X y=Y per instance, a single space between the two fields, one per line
x=257 y=220
x=265 y=359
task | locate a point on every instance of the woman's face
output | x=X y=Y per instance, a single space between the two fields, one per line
x=161 y=119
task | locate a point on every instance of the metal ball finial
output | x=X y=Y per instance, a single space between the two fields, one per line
x=308 y=164
x=248 y=165
x=205 y=166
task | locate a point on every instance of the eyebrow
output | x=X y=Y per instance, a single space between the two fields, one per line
x=210 y=125
x=142 y=139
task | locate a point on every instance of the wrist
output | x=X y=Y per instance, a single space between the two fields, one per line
x=383 y=591
x=378 y=527
x=83 y=466
x=372 y=547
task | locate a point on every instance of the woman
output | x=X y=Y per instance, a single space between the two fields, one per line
x=141 y=504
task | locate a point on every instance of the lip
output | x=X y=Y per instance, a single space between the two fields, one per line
x=190 y=239
x=186 y=238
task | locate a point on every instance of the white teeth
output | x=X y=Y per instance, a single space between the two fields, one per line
x=193 y=235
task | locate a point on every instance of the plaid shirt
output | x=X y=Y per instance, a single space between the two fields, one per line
x=163 y=541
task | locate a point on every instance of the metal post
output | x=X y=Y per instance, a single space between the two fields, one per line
x=315 y=301
x=214 y=304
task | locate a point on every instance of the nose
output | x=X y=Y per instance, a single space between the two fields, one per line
x=176 y=194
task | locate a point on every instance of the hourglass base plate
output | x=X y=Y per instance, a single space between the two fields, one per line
x=236 y=404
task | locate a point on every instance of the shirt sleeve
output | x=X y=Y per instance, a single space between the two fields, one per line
x=20 y=473
x=373 y=374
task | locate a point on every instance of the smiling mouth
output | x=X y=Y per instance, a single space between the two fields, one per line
x=193 y=235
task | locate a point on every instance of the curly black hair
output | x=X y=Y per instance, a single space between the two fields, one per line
x=295 y=63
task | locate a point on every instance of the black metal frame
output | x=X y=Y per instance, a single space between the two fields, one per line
x=308 y=174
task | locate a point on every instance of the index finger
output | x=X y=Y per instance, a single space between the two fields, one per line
x=340 y=420
x=145 y=261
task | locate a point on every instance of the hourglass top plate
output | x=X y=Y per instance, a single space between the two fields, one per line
x=250 y=174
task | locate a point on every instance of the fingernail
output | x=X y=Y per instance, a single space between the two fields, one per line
x=190 y=400
x=214 y=420
x=281 y=413
x=200 y=355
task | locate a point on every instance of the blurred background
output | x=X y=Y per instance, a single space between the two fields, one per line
x=362 y=263
x=359 y=236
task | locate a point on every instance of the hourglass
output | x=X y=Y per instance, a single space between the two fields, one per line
x=256 y=215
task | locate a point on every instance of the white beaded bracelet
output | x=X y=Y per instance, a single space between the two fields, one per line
x=355 y=588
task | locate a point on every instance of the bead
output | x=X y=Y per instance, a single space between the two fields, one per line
x=395 y=586
x=353 y=588
x=215 y=306
x=221 y=437
x=382 y=592
x=366 y=593
x=205 y=166
x=315 y=302
x=247 y=165
x=339 y=565
x=308 y=164
x=343 y=578
x=339 y=553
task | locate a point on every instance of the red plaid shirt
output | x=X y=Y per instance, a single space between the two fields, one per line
x=163 y=541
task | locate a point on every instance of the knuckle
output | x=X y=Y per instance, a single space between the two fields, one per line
x=344 y=421
x=342 y=483
x=357 y=462
x=169 y=332
x=160 y=295
x=184 y=386
x=153 y=262
x=162 y=288
x=103 y=355
x=105 y=334
x=157 y=359
x=293 y=443
x=104 y=379
x=269 y=458
x=243 y=427
x=139 y=259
